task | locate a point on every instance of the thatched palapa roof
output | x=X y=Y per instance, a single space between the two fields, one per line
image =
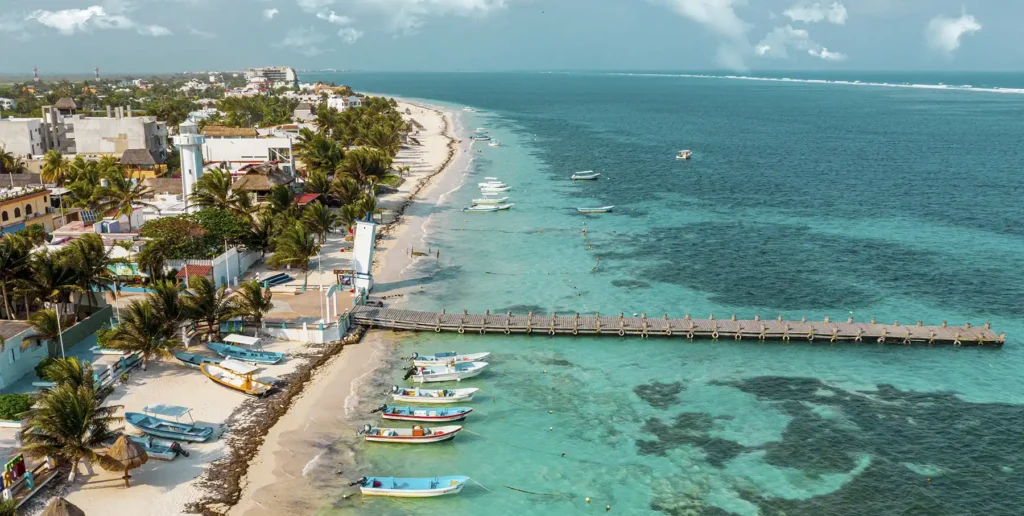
x=61 y=507
x=66 y=104
x=163 y=185
x=138 y=158
x=128 y=455
x=261 y=178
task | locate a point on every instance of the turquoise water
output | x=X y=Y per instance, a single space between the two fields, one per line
x=801 y=199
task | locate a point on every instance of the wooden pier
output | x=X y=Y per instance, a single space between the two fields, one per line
x=685 y=328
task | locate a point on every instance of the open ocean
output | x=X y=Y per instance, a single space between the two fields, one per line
x=802 y=199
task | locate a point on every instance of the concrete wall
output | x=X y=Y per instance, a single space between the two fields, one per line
x=85 y=329
x=15 y=362
x=238 y=152
x=113 y=136
x=23 y=211
x=23 y=136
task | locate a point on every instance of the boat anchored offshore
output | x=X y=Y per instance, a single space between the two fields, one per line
x=446 y=358
x=494 y=143
x=427 y=415
x=586 y=175
x=489 y=200
x=160 y=427
x=684 y=154
x=415 y=435
x=432 y=396
x=446 y=373
x=602 y=209
x=410 y=487
x=494 y=189
x=480 y=209
x=492 y=184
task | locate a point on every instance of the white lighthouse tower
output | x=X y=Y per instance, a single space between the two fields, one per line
x=362 y=254
x=190 y=145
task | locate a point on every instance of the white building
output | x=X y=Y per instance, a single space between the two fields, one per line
x=342 y=103
x=24 y=136
x=277 y=75
x=237 y=152
x=116 y=134
x=194 y=85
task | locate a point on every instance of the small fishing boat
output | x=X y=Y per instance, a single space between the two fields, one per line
x=492 y=184
x=586 y=175
x=494 y=143
x=160 y=427
x=429 y=415
x=479 y=137
x=684 y=154
x=447 y=357
x=481 y=130
x=432 y=396
x=415 y=435
x=490 y=200
x=603 y=209
x=238 y=380
x=494 y=189
x=479 y=209
x=193 y=360
x=410 y=487
x=446 y=373
x=159 y=449
x=505 y=206
x=245 y=355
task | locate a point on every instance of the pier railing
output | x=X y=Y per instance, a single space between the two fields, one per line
x=687 y=327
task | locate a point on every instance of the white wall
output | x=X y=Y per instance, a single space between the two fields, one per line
x=116 y=135
x=23 y=136
x=238 y=152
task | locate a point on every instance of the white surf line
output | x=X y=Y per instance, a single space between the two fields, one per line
x=940 y=87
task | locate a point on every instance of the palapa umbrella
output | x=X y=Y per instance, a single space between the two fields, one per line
x=61 y=507
x=126 y=455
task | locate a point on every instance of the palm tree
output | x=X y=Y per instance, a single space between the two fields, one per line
x=47 y=328
x=384 y=136
x=144 y=329
x=72 y=371
x=365 y=164
x=281 y=199
x=14 y=254
x=259 y=234
x=318 y=152
x=319 y=219
x=51 y=279
x=70 y=423
x=166 y=298
x=345 y=190
x=213 y=190
x=295 y=247
x=317 y=182
x=252 y=302
x=54 y=168
x=122 y=194
x=91 y=260
x=208 y=304
x=6 y=160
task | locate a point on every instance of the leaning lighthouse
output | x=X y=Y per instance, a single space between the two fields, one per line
x=190 y=147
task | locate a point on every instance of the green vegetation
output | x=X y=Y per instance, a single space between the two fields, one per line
x=12 y=406
x=260 y=110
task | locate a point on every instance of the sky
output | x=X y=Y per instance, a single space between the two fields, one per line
x=139 y=36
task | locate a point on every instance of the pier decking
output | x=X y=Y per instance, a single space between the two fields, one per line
x=686 y=328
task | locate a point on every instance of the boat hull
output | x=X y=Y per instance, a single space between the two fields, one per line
x=411 y=493
x=437 y=435
x=257 y=388
x=460 y=416
x=166 y=433
x=427 y=361
x=446 y=377
x=430 y=400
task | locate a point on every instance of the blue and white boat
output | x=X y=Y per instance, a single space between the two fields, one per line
x=423 y=414
x=161 y=449
x=245 y=355
x=432 y=396
x=426 y=487
x=166 y=428
x=447 y=357
x=193 y=360
x=446 y=373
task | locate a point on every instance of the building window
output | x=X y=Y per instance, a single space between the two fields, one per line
x=28 y=210
x=4 y=218
x=17 y=212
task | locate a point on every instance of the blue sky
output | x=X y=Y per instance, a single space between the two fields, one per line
x=67 y=36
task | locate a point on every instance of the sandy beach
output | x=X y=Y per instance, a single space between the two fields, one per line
x=314 y=417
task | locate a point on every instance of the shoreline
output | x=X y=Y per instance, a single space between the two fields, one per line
x=274 y=468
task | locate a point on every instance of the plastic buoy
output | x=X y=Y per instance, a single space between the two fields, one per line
x=563 y=454
x=607 y=508
x=550 y=412
x=545 y=371
x=550 y=428
x=587 y=499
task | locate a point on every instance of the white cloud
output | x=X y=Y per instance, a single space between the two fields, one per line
x=808 y=12
x=270 y=13
x=717 y=15
x=305 y=41
x=943 y=33
x=781 y=40
x=314 y=5
x=332 y=17
x=825 y=54
x=409 y=15
x=71 y=21
x=14 y=27
x=201 y=34
x=349 y=35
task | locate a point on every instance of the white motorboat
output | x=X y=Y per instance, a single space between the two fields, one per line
x=480 y=209
x=495 y=189
x=494 y=143
x=496 y=184
x=602 y=209
x=446 y=373
x=505 y=206
x=684 y=154
x=410 y=487
x=432 y=396
x=489 y=200
x=586 y=175
x=415 y=435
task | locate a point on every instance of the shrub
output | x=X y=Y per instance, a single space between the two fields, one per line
x=13 y=405
x=41 y=368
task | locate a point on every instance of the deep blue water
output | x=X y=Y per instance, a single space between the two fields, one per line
x=802 y=199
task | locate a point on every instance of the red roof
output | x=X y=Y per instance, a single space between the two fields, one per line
x=195 y=270
x=305 y=198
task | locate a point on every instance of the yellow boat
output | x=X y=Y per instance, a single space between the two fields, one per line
x=237 y=376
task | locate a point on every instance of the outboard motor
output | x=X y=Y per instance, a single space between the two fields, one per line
x=364 y=430
x=394 y=388
x=415 y=355
x=379 y=409
x=412 y=371
x=361 y=482
x=175 y=447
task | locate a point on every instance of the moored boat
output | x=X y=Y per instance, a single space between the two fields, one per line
x=432 y=396
x=447 y=357
x=480 y=209
x=245 y=355
x=505 y=207
x=159 y=449
x=428 y=415
x=193 y=360
x=491 y=184
x=684 y=154
x=238 y=380
x=426 y=487
x=160 y=427
x=494 y=189
x=494 y=143
x=586 y=175
x=495 y=200
x=415 y=435
x=446 y=373
x=602 y=209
